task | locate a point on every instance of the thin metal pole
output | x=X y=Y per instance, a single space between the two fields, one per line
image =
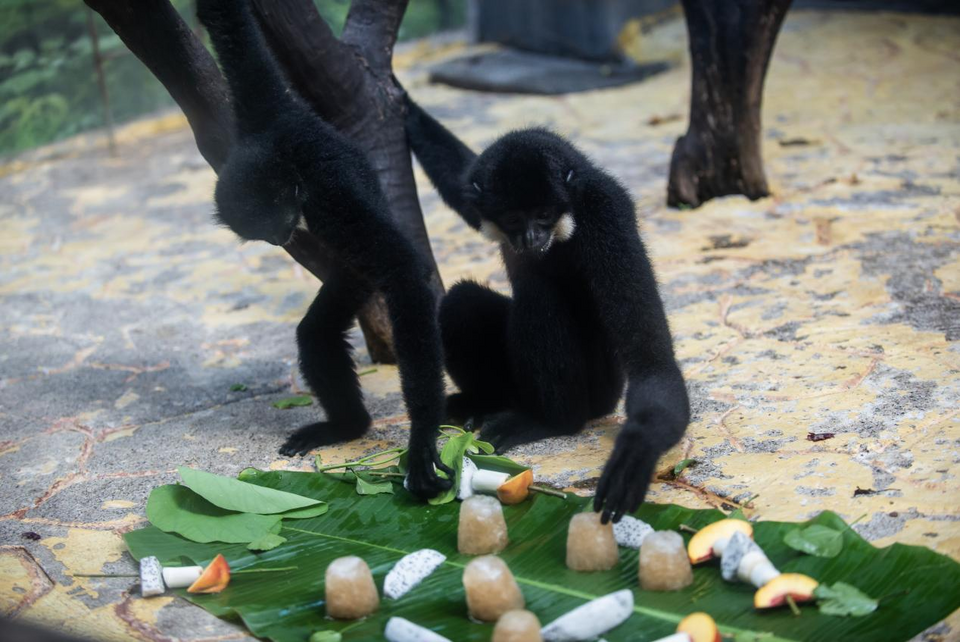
x=101 y=81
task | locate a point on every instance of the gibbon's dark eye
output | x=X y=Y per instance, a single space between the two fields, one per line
x=512 y=220
x=544 y=217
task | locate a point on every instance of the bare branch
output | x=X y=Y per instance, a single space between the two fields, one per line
x=372 y=27
x=158 y=36
x=325 y=72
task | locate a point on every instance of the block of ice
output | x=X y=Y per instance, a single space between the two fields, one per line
x=591 y=545
x=349 y=589
x=664 y=564
x=482 y=529
x=491 y=589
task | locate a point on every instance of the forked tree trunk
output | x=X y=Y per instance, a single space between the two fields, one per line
x=348 y=81
x=730 y=47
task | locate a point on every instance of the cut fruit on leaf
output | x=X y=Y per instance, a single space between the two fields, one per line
x=401 y=630
x=700 y=548
x=282 y=607
x=630 y=532
x=214 y=578
x=515 y=489
x=700 y=627
x=410 y=571
x=468 y=470
x=774 y=593
x=591 y=620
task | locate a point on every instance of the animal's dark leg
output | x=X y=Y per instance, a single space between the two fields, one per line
x=473 y=325
x=551 y=395
x=604 y=374
x=327 y=365
x=514 y=428
x=416 y=338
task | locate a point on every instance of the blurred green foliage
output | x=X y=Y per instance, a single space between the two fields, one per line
x=48 y=84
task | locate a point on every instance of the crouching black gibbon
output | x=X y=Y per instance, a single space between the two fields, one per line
x=585 y=316
x=287 y=168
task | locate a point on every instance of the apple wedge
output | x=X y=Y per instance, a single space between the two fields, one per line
x=214 y=578
x=701 y=546
x=700 y=627
x=515 y=489
x=775 y=592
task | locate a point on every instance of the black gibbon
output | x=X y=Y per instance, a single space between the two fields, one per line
x=288 y=168
x=585 y=316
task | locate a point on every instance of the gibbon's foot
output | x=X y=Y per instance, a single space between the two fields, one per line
x=422 y=478
x=321 y=433
x=459 y=407
x=504 y=430
x=626 y=476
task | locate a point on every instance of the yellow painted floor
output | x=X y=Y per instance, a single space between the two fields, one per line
x=831 y=307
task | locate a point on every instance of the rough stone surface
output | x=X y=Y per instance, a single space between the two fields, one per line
x=126 y=315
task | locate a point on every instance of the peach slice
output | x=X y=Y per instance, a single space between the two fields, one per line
x=775 y=592
x=214 y=578
x=700 y=548
x=700 y=627
x=515 y=489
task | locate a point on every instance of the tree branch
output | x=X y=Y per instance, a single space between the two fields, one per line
x=372 y=27
x=351 y=86
x=324 y=72
x=158 y=36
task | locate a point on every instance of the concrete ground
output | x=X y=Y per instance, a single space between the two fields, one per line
x=831 y=307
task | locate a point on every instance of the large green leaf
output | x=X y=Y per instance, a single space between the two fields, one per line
x=382 y=528
x=177 y=509
x=234 y=494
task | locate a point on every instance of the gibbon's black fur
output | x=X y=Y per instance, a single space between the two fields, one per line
x=288 y=168
x=585 y=316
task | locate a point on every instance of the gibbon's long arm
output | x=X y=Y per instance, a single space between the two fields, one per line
x=256 y=83
x=444 y=158
x=632 y=313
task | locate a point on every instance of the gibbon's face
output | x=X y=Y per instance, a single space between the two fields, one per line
x=258 y=202
x=519 y=189
x=532 y=230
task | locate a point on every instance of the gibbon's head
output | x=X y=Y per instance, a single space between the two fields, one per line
x=258 y=196
x=520 y=188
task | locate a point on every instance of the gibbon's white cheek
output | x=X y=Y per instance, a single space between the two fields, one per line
x=302 y=224
x=490 y=230
x=564 y=228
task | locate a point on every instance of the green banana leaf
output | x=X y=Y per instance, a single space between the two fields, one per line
x=288 y=605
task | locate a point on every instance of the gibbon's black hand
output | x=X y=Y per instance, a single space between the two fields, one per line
x=422 y=478
x=627 y=475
